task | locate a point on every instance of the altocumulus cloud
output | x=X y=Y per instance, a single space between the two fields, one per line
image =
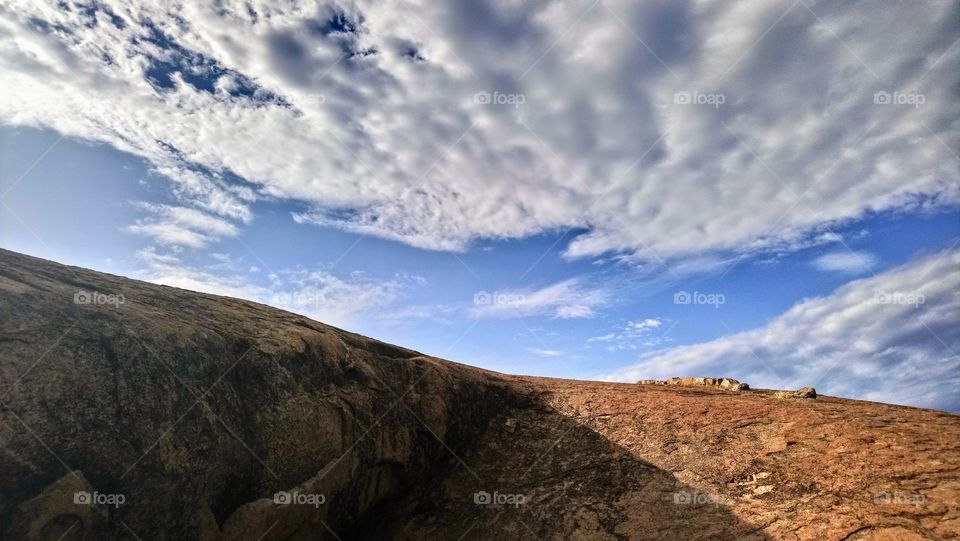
x=663 y=128
x=890 y=338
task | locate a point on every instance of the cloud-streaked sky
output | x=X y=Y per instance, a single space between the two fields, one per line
x=525 y=186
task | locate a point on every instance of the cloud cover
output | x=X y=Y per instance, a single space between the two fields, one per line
x=364 y=115
x=316 y=293
x=891 y=337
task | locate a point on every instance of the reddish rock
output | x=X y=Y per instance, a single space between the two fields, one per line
x=221 y=419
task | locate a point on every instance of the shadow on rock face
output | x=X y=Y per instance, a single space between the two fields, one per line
x=179 y=415
x=537 y=474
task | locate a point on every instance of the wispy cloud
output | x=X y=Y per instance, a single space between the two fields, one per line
x=545 y=352
x=569 y=299
x=182 y=226
x=318 y=294
x=890 y=338
x=645 y=333
x=846 y=262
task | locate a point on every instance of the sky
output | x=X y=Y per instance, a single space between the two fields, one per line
x=595 y=189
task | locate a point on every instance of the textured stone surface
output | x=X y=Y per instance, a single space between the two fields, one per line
x=723 y=383
x=199 y=409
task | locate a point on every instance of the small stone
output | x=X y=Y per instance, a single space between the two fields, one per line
x=805 y=392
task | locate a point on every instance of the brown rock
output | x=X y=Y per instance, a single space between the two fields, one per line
x=724 y=383
x=732 y=385
x=221 y=419
x=803 y=393
x=62 y=510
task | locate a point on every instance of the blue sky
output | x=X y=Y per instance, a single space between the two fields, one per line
x=606 y=191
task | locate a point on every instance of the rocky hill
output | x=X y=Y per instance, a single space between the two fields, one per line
x=135 y=411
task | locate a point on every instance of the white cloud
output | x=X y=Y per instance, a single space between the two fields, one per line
x=328 y=298
x=318 y=294
x=569 y=299
x=634 y=335
x=646 y=324
x=846 y=262
x=889 y=338
x=169 y=270
x=545 y=352
x=181 y=226
x=378 y=131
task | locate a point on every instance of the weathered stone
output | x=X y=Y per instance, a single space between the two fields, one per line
x=803 y=392
x=63 y=510
x=723 y=383
x=204 y=411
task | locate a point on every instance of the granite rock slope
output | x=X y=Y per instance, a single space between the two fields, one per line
x=135 y=411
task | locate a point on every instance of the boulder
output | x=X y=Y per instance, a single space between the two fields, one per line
x=803 y=393
x=724 y=383
x=732 y=385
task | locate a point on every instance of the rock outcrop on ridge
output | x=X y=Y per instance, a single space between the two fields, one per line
x=136 y=411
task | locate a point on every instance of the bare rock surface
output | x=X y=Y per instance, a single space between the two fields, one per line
x=138 y=411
